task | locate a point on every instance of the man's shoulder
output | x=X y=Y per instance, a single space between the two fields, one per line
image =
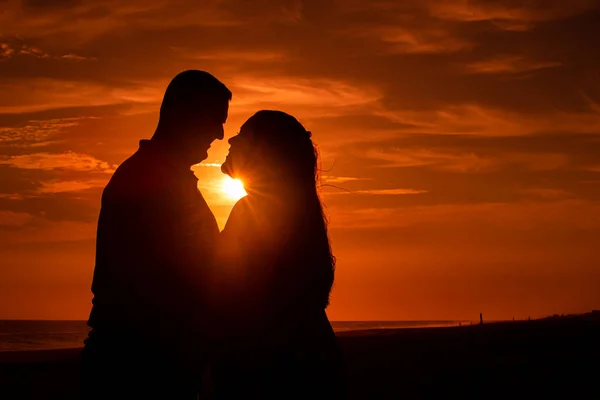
x=138 y=174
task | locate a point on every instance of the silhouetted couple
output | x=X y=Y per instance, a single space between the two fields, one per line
x=174 y=297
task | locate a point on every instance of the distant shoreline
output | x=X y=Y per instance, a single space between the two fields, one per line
x=48 y=335
x=33 y=335
x=70 y=354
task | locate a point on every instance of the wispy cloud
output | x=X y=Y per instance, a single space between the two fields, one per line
x=69 y=160
x=43 y=230
x=52 y=187
x=382 y=192
x=77 y=58
x=323 y=96
x=593 y=104
x=41 y=94
x=5 y=51
x=237 y=56
x=59 y=186
x=80 y=22
x=14 y=219
x=9 y=50
x=422 y=40
x=213 y=165
x=35 y=133
x=522 y=216
x=340 y=179
x=467 y=162
x=509 y=15
x=476 y=119
x=548 y=193
x=508 y=64
x=14 y=196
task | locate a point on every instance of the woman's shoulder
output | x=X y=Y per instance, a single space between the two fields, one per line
x=240 y=208
x=238 y=215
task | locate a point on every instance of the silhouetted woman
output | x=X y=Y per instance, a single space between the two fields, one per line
x=278 y=269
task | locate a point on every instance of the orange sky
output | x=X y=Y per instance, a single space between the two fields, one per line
x=466 y=132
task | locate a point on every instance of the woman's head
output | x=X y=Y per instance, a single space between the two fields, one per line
x=272 y=148
x=275 y=157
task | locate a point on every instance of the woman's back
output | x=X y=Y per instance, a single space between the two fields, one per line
x=277 y=300
x=275 y=272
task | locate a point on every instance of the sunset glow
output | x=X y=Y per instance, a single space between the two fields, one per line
x=233 y=188
x=459 y=141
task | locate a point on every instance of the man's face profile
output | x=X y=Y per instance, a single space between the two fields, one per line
x=205 y=130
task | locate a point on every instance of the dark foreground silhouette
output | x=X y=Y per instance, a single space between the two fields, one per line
x=555 y=358
x=154 y=248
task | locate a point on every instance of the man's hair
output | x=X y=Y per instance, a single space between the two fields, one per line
x=196 y=92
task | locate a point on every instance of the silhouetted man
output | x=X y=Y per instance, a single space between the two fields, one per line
x=155 y=240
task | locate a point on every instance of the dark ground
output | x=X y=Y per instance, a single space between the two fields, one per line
x=552 y=358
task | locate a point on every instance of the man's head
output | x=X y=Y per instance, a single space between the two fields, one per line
x=192 y=114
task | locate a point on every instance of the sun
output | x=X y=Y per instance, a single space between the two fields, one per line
x=233 y=188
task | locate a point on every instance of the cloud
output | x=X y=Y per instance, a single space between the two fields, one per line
x=382 y=192
x=340 y=179
x=50 y=20
x=524 y=216
x=60 y=161
x=323 y=96
x=59 y=186
x=40 y=94
x=508 y=64
x=53 y=187
x=423 y=40
x=17 y=48
x=548 y=193
x=5 y=51
x=593 y=105
x=453 y=160
x=43 y=230
x=476 y=119
x=75 y=57
x=14 y=196
x=14 y=219
x=397 y=158
x=402 y=28
x=80 y=21
x=35 y=133
x=232 y=55
x=32 y=51
x=508 y=14
x=472 y=169
x=214 y=165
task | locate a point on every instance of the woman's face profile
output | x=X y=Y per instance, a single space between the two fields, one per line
x=244 y=159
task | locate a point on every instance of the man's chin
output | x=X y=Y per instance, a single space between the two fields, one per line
x=227 y=169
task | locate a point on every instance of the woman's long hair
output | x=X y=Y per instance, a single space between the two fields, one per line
x=294 y=160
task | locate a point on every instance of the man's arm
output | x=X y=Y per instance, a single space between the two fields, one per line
x=168 y=250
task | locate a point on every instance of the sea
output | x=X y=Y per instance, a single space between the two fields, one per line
x=24 y=335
